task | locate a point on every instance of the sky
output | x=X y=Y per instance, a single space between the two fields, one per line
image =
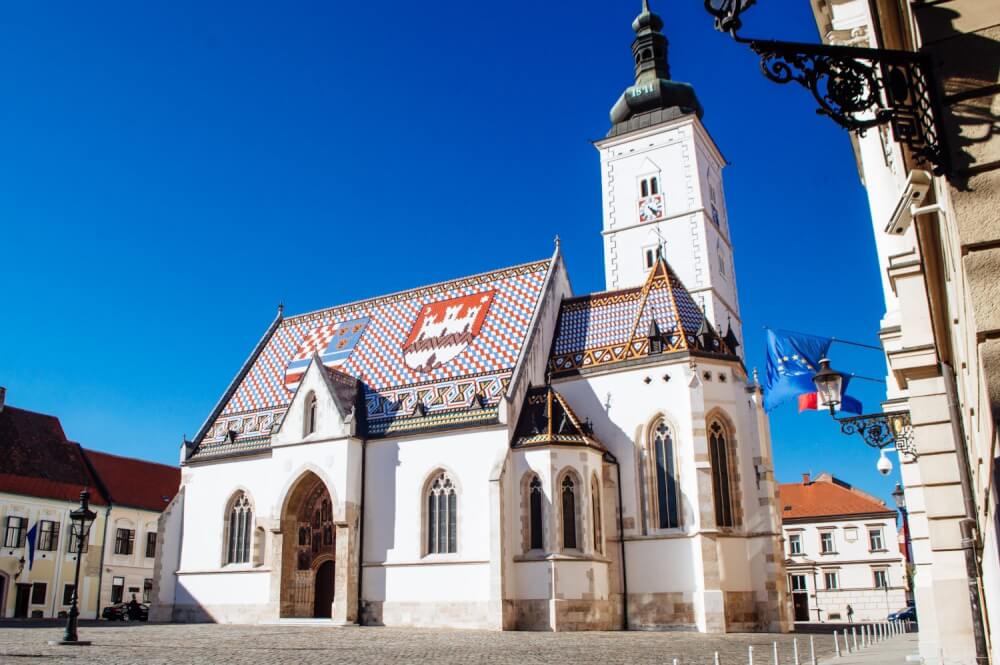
x=173 y=171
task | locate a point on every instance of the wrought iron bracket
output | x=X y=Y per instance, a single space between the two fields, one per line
x=880 y=430
x=860 y=88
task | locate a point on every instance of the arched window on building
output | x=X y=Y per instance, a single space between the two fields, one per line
x=536 y=537
x=239 y=529
x=311 y=414
x=662 y=449
x=442 y=509
x=595 y=502
x=569 y=513
x=722 y=481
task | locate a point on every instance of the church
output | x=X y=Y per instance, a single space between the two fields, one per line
x=497 y=452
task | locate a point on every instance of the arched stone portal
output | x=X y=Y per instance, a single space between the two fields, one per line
x=309 y=545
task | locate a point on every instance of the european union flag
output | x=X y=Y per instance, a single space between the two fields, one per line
x=792 y=360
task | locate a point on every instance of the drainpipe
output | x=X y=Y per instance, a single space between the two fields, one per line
x=608 y=457
x=100 y=570
x=968 y=524
x=361 y=529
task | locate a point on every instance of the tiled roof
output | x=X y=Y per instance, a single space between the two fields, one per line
x=39 y=461
x=547 y=419
x=134 y=482
x=449 y=347
x=616 y=326
x=826 y=496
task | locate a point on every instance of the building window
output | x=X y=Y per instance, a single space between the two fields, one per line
x=442 y=509
x=150 y=544
x=648 y=186
x=14 y=535
x=715 y=216
x=826 y=542
x=117 y=589
x=795 y=544
x=124 y=541
x=311 y=409
x=569 y=513
x=718 y=444
x=881 y=579
x=38 y=590
x=73 y=543
x=147 y=589
x=535 y=513
x=48 y=536
x=722 y=259
x=797 y=582
x=830 y=581
x=595 y=501
x=875 y=543
x=667 y=503
x=68 y=594
x=240 y=528
x=649 y=255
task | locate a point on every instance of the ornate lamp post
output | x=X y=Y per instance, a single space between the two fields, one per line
x=859 y=88
x=81 y=519
x=878 y=430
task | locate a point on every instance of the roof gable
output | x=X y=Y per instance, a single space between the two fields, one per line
x=547 y=419
x=616 y=326
x=444 y=347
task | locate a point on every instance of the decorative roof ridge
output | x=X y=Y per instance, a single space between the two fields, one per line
x=553 y=263
x=373 y=300
x=598 y=295
x=235 y=383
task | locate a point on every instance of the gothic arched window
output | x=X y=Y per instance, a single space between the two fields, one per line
x=239 y=529
x=311 y=408
x=442 y=508
x=535 y=514
x=722 y=488
x=595 y=502
x=664 y=459
x=569 y=513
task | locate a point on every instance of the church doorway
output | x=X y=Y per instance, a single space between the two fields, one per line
x=323 y=602
x=308 y=550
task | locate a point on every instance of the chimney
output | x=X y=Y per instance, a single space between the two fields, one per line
x=805 y=478
x=3 y=395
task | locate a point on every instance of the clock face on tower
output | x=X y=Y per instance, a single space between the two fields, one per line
x=650 y=208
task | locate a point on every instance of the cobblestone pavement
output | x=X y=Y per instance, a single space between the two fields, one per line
x=266 y=645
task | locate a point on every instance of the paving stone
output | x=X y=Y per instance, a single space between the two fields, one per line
x=272 y=644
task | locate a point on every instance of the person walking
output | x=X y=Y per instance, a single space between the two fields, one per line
x=850 y=614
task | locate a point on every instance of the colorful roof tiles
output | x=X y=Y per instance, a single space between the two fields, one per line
x=443 y=346
x=615 y=326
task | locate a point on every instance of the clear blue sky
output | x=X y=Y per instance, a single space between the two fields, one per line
x=172 y=171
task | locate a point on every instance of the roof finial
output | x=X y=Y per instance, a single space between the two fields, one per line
x=645 y=6
x=557 y=241
x=281 y=309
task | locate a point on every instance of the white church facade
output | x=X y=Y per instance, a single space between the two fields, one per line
x=497 y=452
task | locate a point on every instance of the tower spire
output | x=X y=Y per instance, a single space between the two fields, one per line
x=653 y=89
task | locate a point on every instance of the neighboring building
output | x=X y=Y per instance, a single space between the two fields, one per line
x=139 y=491
x=40 y=483
x=842 y=550
x=43 y=475
x=941 y=330
x=482 y=452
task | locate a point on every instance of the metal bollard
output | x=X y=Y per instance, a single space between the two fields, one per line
x=750 y=655
x=774 y=645
x=812 y=650
x=716 y=659
x=836 y=644
x=847 y=645
x=675 y=661
x=795 y=651
x=854 y=635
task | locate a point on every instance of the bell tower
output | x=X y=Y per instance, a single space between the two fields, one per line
x=661 y=178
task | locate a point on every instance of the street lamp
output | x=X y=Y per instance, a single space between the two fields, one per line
x=727 y=13
x=878 y=430
x=81 y=519
x=829 y=385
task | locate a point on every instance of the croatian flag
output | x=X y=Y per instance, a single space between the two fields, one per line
x=334 y=342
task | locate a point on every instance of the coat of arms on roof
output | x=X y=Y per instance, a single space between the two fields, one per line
x=334 y=342
x=445 y=329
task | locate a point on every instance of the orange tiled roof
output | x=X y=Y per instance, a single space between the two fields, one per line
x=826 y=496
